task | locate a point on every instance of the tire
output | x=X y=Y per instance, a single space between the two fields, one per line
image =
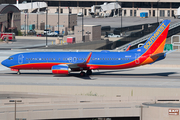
x=89 y=72
x=18 y=73
x=82 y=74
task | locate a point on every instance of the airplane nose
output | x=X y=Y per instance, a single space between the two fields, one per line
x=4 y=63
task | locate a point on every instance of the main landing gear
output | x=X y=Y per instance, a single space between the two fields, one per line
x=89 y=72
x=82 y=74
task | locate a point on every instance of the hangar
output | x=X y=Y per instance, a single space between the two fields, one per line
x=10 y=18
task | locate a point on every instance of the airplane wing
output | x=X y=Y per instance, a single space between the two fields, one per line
x=83 y=64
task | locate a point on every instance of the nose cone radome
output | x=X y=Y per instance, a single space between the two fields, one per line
x=4 y=63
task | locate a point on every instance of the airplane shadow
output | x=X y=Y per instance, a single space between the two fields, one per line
x=100 y=73
x=164 y=74
x=150 y=74
x=87 y=77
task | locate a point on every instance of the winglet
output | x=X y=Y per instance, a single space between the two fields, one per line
x=127 y=49
x=88 y=58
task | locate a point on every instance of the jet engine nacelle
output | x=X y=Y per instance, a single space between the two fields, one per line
x=60 y=69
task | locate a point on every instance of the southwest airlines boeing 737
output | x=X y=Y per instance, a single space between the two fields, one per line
x=65 y=62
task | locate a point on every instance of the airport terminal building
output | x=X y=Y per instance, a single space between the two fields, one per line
x=162 y=8
x=9 y=18
x=130 y=7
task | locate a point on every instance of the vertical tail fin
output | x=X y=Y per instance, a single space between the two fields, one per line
x=155 y=44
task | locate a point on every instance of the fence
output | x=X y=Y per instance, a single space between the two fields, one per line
x=173 y=29
x=175 y=43
x=133 y=36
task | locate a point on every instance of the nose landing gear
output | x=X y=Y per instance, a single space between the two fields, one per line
x=18 y=72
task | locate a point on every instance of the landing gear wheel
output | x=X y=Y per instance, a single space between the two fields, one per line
x=82 y=74
x=18 y=73
x=89 y=72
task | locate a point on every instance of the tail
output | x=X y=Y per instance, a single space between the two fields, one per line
x=155 y=44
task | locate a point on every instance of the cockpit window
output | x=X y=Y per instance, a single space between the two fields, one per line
x=10 y=58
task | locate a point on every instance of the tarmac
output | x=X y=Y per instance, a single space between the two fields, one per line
x=131 y=92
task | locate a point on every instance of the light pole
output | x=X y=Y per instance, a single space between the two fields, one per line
x=68 y=20
x=121 y=22
x=31 y=5
x=25 y=24
x=46 y=27
x=82 y=26
x=15 y=101
x=58 y=18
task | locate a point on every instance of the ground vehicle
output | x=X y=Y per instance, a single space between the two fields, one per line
x=7 y=36
x=31 y=32
x=65 y=62
x=52 y=34
x=40 y=35
x=177 y=14
x=113 y=35
x=46 y=31
x=80 y=14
